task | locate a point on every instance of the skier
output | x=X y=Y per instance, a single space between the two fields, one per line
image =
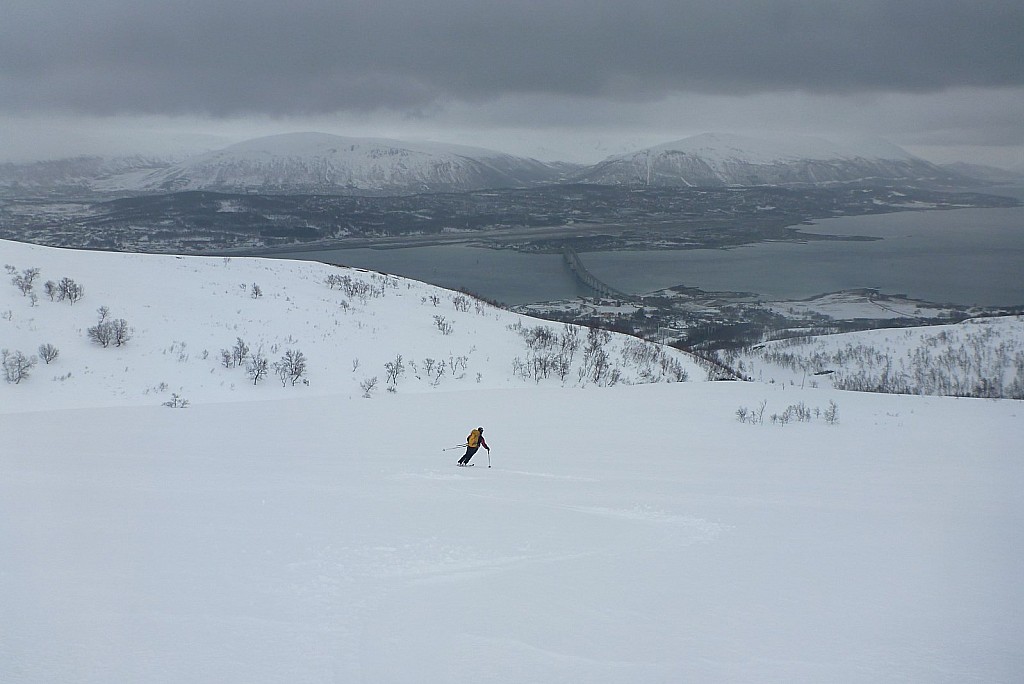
x=473 y=443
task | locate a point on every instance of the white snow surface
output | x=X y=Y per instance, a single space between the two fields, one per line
x=635 y=533
x=858 y=304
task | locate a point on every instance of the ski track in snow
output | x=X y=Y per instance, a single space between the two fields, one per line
x=440 y=475
x=702 y=529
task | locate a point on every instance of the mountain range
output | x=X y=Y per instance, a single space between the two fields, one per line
x=317 y=163
x=717 y=159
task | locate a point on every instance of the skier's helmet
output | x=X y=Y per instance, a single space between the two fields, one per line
x=480 y=429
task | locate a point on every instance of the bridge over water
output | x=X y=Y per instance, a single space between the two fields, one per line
x=580 y=272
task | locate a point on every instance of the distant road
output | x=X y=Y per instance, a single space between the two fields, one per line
x=494 y=237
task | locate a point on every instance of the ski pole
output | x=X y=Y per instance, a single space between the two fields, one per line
x=457 y=446
x=488 y=458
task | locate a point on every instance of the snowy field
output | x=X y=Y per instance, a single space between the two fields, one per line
x=627 y=533
x=857 y=304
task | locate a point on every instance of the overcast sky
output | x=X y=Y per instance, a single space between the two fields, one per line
x=569 y=79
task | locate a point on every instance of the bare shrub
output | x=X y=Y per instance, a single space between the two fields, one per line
x=70 y=290
x=291 y=368
x=48 y=352
x=443 y=325
x=239 y=352
x=368 y=386
x=395 y=369
x=257 y=367
x=25 y=280
x=176 y=401
x=17 y=366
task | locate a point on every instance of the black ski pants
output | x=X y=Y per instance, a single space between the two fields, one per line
x=469 y=454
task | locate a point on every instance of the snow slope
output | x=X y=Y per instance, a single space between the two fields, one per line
x=632 y=533
x=184 y=310
x=981 y=357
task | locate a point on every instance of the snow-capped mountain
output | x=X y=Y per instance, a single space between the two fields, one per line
x=717 y=159
x=319 y=163
x=986 y=173
x=76 y=175
x=322 y=163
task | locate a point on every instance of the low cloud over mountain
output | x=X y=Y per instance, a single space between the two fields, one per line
x=317 y=163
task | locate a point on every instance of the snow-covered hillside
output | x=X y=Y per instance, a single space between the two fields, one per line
x=348 y=324
x=981 y=357
x=626 y=533
x=715 y=159
x=321 y=163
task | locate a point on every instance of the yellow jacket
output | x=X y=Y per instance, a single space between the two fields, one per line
x=476 y=439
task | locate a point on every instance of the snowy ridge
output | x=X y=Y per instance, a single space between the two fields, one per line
x=348 y=323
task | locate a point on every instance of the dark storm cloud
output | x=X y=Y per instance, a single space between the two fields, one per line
x=226 y=57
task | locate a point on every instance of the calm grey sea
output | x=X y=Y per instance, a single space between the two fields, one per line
x=962 y=256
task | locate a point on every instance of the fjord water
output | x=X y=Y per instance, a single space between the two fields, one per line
x=959 y=256
x=504 y=275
